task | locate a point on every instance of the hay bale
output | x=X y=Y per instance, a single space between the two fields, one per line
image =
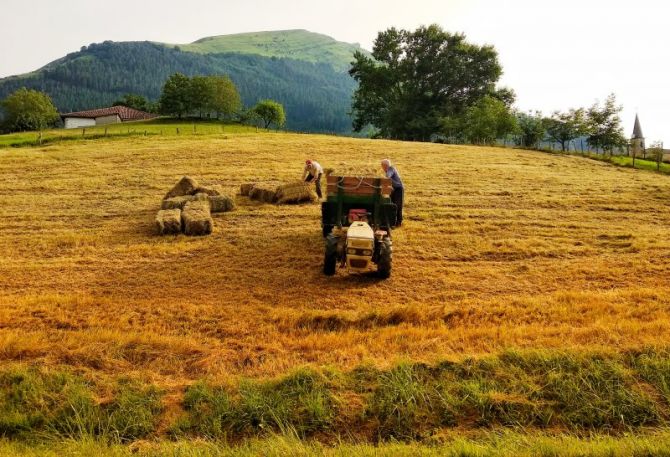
x=296 y=192
x=180 y=202
x=185 y=186
x=246 y=188
x=197 y=218
x=168 y=221
x=210 y=190
x=264 y=192
x=356 y=170
x=177 y=202
x=221 y=203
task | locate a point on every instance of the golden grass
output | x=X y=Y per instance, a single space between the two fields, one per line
x=500 y=248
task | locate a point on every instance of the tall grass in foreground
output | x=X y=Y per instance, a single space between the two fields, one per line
x=492 y=444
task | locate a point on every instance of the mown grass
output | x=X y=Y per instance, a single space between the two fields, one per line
x=157 y=127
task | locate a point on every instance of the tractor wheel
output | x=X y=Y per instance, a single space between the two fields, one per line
x=330 y=258
x=384 y=261
x=327 y=229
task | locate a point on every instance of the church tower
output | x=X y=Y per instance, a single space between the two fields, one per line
x=637 y=140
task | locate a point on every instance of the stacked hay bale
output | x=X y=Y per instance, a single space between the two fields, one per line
x=296 y=192
x=188 y=207
x=168 y=221
x=197 y=218
x=246 y=188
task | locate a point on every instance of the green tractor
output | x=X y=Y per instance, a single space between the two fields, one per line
x=357 y=217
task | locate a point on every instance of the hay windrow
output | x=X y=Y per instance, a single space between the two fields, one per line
x=197 y=218
x=296 y=192
x=185 y=186
x=221 y=203
x=168 y=221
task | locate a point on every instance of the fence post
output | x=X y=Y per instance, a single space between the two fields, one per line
x=40 y=138
x=83 y=132
x=177 y=130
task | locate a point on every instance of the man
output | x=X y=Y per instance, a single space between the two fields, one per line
x=398 y=190
x=312 y=174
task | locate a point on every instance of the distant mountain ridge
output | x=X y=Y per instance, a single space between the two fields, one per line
x=303 y=70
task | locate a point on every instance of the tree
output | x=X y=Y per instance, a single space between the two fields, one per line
x=270 y=112
x=565 y=127
x=487 y=120
x=414 y=80
x=531 y=129
x=604 y=125
x=175 y=98
x=28 y=110
x=226 y=99
x=200 y=94
x=134 y=101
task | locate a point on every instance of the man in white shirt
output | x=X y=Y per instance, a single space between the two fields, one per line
x=312 y=174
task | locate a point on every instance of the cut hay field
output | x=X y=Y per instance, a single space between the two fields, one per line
x=501 y=250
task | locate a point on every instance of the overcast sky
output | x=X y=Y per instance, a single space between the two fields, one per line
x=555 y=55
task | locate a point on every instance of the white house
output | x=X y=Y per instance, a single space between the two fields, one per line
x=104 y=116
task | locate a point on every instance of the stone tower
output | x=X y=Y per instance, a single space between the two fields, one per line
x=637 y=140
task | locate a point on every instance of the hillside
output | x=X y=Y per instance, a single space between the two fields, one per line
x=292 y=44
x=529 y=294
x=302 y=70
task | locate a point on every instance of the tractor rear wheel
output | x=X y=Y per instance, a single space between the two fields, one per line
x=385 y=257
x=330 y=257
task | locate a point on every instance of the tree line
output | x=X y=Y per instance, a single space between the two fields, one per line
x=213 y=97
x=316 y=96
x=430 y=84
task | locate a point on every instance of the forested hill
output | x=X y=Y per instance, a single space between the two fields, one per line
x=316 y=93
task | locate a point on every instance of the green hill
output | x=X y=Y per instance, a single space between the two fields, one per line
x=292 y=44
x=304 y=71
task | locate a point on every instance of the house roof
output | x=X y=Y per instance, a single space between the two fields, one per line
x=637 y=129
x=125 y=113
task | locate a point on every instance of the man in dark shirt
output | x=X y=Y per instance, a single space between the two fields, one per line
x=398 y=191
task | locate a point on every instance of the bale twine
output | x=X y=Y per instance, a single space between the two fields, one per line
x=168 y=221
x=185 y=186
x=197 y=218
x=221 y=203
x=296 y=192
x=264 y=192
x=246 y=188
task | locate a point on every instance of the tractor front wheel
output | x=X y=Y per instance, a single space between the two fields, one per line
x=330 y=257
x=384 y=260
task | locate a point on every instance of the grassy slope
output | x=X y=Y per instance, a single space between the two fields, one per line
x=501 y=249
x=294 y=44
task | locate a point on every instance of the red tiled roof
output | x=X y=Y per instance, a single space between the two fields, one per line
x=125 y=113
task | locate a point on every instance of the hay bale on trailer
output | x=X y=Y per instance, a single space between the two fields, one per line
x=168 y=221
x=264 y=192
x=197 y=218
x=246 y=188
x=296 y=192
x=221 y=203
x=185 y=186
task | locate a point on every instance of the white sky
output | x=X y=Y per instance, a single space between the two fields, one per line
x=555 y=54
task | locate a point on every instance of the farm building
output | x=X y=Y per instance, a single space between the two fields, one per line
x=104 y=116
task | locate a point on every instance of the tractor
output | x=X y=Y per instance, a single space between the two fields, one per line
x=357 y=217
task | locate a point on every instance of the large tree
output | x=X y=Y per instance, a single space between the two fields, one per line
x=487 y=120
x=175 y=98
x=564 y=127
x=531 y=129
x=604 y=125
x=134 y=101
x=415 y=79
x=225 y=99
x=27 y=109
x=270 y=112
